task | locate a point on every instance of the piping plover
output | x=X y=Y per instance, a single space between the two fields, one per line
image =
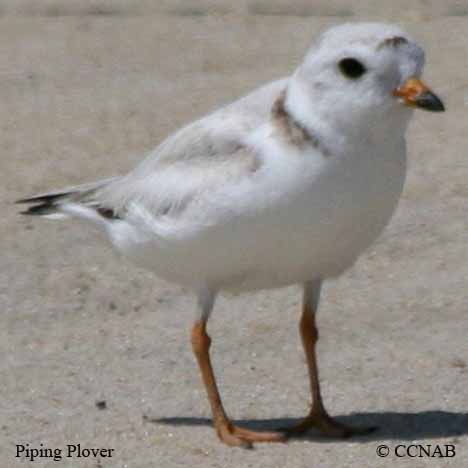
x=286 y=185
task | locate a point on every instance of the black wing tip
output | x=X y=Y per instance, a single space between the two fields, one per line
x=38 y=210
x=42 y=204
x=48 y=207
x=23 y=201
x=49 y=199
x=47 y=204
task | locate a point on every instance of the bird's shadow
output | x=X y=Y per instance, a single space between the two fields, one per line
x=390 y=425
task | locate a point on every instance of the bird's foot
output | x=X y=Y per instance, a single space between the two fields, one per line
x=236 y=436
x=326 y=425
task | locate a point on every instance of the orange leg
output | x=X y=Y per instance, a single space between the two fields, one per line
x=318 y=417
x=227 y=432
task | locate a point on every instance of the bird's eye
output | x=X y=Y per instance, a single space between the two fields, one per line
x=352 y=68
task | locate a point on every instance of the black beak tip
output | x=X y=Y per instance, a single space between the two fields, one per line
x=429 y=101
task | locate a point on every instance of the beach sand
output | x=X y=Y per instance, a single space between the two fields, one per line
x=86 y=90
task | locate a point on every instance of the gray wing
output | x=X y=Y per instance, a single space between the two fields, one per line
x=203 y=156
x=200 y=157
x=191 y=163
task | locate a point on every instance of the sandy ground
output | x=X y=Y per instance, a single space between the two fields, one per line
x=87 y=90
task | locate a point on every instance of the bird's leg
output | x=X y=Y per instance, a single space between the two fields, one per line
x=227 y=432
x=318 y=417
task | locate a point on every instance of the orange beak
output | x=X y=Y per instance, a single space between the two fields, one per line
x=415 y=93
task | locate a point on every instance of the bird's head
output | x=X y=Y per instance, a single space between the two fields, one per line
x=360 y=73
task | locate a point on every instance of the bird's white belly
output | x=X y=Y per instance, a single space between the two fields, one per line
x=308 y=232
x=320 y=233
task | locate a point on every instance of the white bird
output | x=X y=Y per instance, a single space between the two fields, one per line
x=286 y=185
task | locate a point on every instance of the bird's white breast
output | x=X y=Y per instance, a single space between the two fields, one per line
x=302 y=216
x=320 y=213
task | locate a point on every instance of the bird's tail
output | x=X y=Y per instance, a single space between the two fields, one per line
x=77 y=201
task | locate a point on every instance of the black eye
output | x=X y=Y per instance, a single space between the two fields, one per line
x=351 y=68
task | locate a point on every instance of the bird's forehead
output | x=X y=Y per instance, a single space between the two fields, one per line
x=376 y=39
x=370 y=35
